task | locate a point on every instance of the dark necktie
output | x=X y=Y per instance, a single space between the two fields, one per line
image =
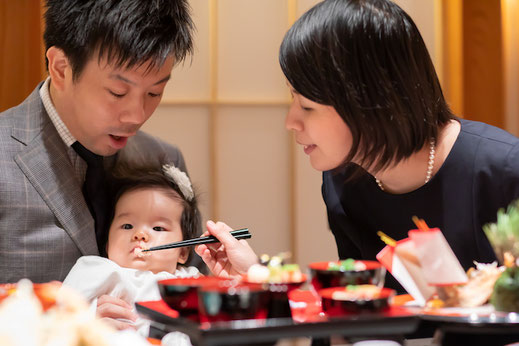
x=94 y=191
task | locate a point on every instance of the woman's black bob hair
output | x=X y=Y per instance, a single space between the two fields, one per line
x=367 y=59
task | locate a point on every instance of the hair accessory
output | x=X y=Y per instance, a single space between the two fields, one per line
x=181 y=179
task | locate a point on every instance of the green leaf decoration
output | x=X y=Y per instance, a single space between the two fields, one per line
x=504 y=233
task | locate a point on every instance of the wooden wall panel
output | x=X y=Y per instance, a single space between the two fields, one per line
x=254 y=174
x=249 y=35
x=187 y=127
x=452 y=53
x=190 y=81
x=482 y=62
x=510 y=27
x=22 y=58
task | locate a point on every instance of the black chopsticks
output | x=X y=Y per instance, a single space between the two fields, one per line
x=238 y=234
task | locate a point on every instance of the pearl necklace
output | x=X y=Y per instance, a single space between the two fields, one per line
x=430 y=165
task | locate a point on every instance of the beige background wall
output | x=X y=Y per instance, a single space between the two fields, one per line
x=226 y=110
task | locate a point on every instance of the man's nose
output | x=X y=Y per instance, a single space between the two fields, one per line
x=135 y=113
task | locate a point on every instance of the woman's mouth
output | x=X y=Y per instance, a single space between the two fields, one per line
x=309 y=148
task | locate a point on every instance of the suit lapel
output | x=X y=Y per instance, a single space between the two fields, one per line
x=45 y=163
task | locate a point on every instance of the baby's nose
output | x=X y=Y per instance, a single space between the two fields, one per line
x=140 y=235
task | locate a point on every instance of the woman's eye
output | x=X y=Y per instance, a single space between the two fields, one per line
x=159 y=229
x=306 y=109
x=154 y=95
x=127 y=226
x=116 y=94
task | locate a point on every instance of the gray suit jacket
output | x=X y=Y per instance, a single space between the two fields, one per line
x=45 y=225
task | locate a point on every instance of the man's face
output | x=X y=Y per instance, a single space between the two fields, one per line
x=144 y=218
x=107 y=105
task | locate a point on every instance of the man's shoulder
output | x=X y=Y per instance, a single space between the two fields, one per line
x=19 y=115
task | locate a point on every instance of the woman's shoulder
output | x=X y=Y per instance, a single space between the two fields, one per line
x=491 y=135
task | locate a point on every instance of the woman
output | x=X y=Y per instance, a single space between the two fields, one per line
x=369 y=112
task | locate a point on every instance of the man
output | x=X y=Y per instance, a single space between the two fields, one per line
x=108 y=64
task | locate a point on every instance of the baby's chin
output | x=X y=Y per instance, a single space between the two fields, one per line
x=139 y=264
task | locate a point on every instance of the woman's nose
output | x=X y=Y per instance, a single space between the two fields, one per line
x=140 y=235
x=292 y=120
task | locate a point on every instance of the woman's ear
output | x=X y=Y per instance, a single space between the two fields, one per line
x=184 y=254
x=58 y=67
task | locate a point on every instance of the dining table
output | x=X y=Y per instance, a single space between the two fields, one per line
x=399 y=322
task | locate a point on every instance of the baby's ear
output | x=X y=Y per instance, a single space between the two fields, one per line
x=184 y=254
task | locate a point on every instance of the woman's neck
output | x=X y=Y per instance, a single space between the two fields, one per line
x=410 y=174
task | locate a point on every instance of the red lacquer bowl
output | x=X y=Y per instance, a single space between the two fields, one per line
x=279 y=304
x=335 y=305
x=323 y=277
x=238 y=301
x=181 y=294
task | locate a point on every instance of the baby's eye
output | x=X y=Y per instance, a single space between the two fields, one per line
x=127 y=226
x=159 y=229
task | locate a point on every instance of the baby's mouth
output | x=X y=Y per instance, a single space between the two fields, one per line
x=139 y=251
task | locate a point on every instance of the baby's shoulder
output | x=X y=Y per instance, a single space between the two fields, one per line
x=185 y=272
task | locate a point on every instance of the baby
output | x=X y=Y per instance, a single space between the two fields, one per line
x=151 y=206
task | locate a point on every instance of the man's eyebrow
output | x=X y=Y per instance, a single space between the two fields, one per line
x=126 y=80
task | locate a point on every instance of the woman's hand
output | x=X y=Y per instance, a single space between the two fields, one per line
x=230 y=257
x=114 y=311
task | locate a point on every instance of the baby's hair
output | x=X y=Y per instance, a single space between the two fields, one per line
x=132 y=176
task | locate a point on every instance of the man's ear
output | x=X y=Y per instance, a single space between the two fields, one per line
x=59 y=67
x=184 y=254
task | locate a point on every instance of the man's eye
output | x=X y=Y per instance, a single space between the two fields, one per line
x=127 y=226
x=116 y=94
x=159 y=229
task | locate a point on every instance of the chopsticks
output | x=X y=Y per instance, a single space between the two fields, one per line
x=238 y=234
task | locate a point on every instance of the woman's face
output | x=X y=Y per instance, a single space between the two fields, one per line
x=144 y=218
x=325 y=137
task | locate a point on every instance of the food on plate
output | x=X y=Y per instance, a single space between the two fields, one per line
x=24 y=321
x=365 y=298
x=347 y=264
x=274 y=270
x=475 y=292
x=358 y=292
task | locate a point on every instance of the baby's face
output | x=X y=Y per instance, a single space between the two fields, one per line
x=144 y=218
